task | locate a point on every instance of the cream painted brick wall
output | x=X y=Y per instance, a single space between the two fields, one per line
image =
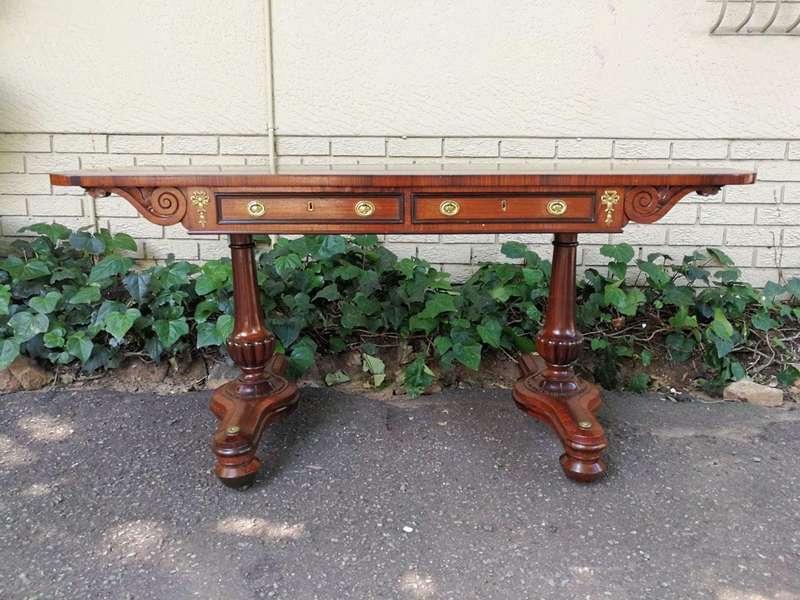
x=12 y=163
x=356 y=146
x=642 y=149
x=758 y=149
x=415 y=147
x=753 y=224
x=471 y=147
x=580 y=148
x=80 y=143
x=238 y=144
x=527 y=148
x=135 y=144
x=24 y=142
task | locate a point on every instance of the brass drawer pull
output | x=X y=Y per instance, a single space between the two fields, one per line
x=255 y=208
x=556 y=207
x=449 y=208
x=364 y=208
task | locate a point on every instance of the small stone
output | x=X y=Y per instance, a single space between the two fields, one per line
x=408 y=529
x=29 y=375
x=753 y=393
x=756 y=459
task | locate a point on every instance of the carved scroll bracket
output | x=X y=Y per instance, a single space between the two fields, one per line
x=649 y=204
x=162 y=206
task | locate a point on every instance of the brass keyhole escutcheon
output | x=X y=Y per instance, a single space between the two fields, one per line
x=556 y=207
x=449 y=208
x=310 y=206
x=504 y=205
x=255 y=208
x=364 y=208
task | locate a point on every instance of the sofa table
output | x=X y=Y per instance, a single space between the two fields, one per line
x=241 y=202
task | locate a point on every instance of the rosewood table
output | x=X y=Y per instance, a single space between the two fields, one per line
x=242 y=202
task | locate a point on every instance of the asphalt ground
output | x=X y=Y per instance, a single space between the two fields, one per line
x=457 y=495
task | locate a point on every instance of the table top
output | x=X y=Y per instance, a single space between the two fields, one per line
x=424 y=175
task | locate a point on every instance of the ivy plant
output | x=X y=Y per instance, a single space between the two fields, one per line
x=76 y=298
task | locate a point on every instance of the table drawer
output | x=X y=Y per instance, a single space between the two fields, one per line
x=309 y=208
x=531 y=208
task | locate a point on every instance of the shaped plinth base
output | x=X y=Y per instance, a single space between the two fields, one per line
x=571 y=416
x=242 y=421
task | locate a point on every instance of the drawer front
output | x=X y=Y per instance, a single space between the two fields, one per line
x=309 y=208
x=532 y=208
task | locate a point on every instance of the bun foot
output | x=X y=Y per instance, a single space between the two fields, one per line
x=584 y=471
x=238 y=476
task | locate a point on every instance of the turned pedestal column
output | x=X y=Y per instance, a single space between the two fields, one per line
x=554 y=394
x=260 y=393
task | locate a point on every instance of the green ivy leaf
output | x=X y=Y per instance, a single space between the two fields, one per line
x=287 y=329
x=613 y=296
x=122 y=241
x=375 y=367
x=33 y=270
x=514 y=249
x=301 y=357
x=336 y=378
x=54 y=338
x=53 y=231
x=468 y=355
x=9 y=350
x=761 y=320
x=170 y=331
x=678 y=295
x=79 y=346
x=286 y=264
x=656 y=274
x=682 y=320
x=224 y=326
x=789 y=375
x=5 y=299
x=622 y=253
x=204 y=309
x=85 y=295
x=28 y=325
x=119 y=323
x=330 y=247
x=45 y=304
x=490 y=331
x=329 y=292
x=417 y=377
x=721 y=327
x=442 y=344
x=646 y=357
x=437 y=304
x=111 y=265
x=737 y=370
x=137 y=283
x=720 y=256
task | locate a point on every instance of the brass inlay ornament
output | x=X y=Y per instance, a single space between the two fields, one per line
x=609 y=200
x=200 y=201
x=364 y=208
x=556 y=207
x=256 y=208
x=585 y=424
x=449 y=208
